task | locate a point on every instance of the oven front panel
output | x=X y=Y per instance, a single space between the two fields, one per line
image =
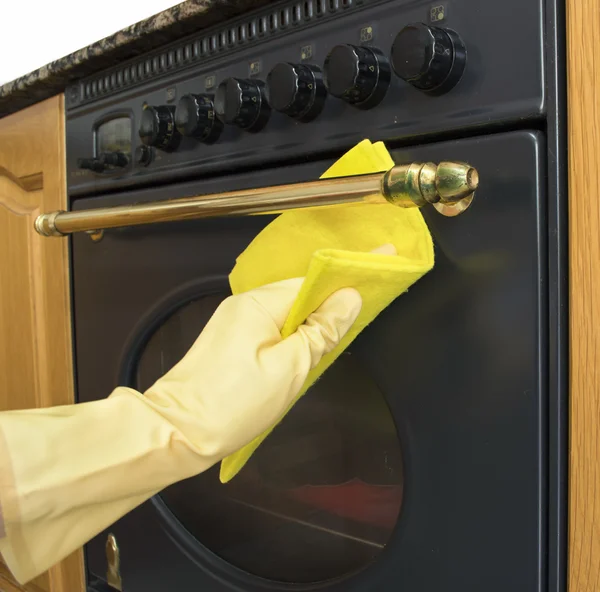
x=460 y=361
x=503 y=84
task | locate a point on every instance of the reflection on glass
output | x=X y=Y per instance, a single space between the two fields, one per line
x=114 y=136
x=319 y=498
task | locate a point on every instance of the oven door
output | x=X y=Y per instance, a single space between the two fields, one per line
x=416 y=463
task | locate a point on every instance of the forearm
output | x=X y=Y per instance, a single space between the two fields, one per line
x=69 y=472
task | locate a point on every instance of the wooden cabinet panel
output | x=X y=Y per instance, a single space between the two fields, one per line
x=8 y=584
x=583 y=28
x=20 y=323
x=35 y=319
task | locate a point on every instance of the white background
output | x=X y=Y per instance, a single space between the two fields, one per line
x=35 y=32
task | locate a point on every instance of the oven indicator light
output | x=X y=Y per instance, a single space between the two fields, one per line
x=366 y=34
x=437 y=13
x=306 y=52
x=210 y=82
x=171 y=94
x=254 y=68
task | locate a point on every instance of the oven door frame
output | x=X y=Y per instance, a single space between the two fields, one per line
x=505 y=172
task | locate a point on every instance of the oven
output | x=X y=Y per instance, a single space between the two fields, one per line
x=429 y=457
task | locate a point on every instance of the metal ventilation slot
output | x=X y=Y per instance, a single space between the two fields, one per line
x=272 y=22
x=309 y=10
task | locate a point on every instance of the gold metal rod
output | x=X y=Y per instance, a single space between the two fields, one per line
x=447 y=185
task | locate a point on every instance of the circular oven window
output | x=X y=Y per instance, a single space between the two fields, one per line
x=320 y=497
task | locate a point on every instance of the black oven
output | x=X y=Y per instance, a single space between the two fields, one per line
x=430 y=456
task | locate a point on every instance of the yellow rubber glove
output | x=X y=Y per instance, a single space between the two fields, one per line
x=67 y=473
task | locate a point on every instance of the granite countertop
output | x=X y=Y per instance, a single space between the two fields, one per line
x=177 y=21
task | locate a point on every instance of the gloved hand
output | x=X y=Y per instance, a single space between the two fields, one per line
x=69 y=472
x=239 y=377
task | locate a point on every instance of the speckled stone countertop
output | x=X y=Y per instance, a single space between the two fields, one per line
x=183 y=19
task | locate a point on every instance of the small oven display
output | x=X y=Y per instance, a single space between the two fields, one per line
x=114 y=136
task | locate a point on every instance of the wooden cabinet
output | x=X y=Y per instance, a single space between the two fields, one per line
x=583 y=28
x=35 y=318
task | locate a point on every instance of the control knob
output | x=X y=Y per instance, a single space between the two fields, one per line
x=114 y=159
x=242 y=103
x=104 y=161
x=195 y=117
x=358 y=75
x=90 y=164
x=296 y=90
x=157 y=127
x=431 y=59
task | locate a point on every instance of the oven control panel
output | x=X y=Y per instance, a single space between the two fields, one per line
x=302 y=80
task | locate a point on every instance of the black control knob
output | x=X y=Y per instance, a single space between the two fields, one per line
x=157 y=127
x=114 y=159
x=242 y=103
x=358 y=75
x=296 y=90
x=430 y=58
x=195 y=117
x=106 y=160
x=91 y=164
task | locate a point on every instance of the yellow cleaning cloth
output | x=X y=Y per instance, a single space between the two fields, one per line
x=331 y=247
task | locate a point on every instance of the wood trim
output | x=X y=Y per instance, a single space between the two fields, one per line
x=33 y=179
x=8 y=584
x=583 y=74
x=32 y=182
x=67 y=576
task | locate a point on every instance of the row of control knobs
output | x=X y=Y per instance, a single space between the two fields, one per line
x=431 y=59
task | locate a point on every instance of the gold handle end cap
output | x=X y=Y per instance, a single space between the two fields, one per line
x=45 y=224
x=455 y=181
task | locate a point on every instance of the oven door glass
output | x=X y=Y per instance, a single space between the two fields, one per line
x=329 y=477
x=417 y=462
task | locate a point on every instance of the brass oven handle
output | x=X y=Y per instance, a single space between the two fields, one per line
x=449 y=186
